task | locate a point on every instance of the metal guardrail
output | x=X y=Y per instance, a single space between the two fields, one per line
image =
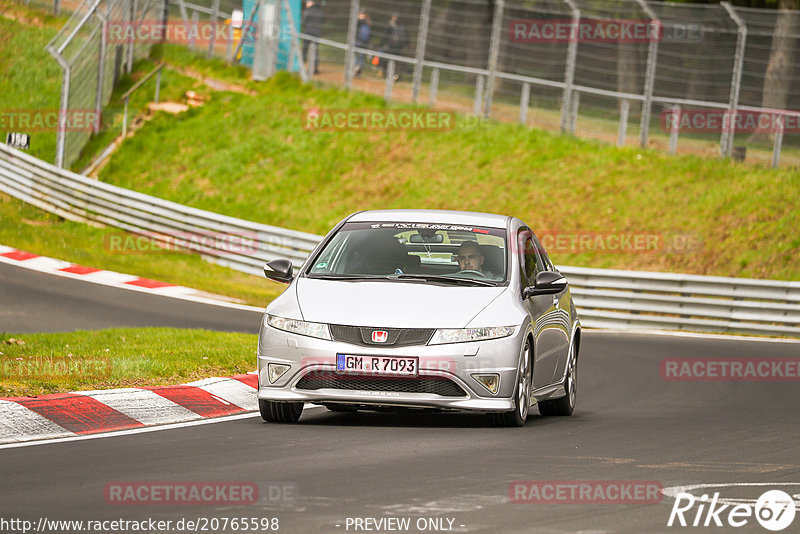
x=606 y=298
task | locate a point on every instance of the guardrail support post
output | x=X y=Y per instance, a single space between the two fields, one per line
x=569 y=71
x=422 y=43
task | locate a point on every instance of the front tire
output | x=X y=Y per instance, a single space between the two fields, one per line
x=280 y=412
x=522 y=393
x=566 y=404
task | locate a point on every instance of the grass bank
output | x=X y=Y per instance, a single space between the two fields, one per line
x=37 y=364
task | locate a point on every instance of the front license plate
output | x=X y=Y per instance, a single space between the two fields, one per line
x=376 y=365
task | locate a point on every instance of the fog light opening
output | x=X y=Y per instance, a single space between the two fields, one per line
x=275 y=371
x=490 y=382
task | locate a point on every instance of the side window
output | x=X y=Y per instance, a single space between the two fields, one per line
x=530 y=261
x=546 y=262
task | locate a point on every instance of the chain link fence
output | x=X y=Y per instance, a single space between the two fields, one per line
x=711 y=79
x=93 y=50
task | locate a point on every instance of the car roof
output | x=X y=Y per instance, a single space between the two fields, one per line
x=471 y=218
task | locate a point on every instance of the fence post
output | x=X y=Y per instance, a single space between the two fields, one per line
x=193 y=31
x=569 y=72
x=573 y=111
x=295 y=41
x=214 y=16
x=229 y=44
x=622 y=132
x=132 y=41
x=311 y=60
x=776 y=147
x=523 y=102
x=350 y=54
x=101 y=66
x=158 y=84
x=476 y=104
x=422 y=43
x=390 y=70
x=56 y=7
x=125 y=119
x=184 y=16
x=650 y=72
x=164 y=18
x=494 y=51
x=61 y=133
x=674 y=129
x=434 y=87
x=728 y=131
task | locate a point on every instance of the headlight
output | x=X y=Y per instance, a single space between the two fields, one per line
x=303 y=328
x=461 y=335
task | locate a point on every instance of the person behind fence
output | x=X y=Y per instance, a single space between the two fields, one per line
x=311 y=24
x=394 y=42
x=363 y=35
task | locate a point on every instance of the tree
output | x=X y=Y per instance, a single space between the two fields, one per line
x=777 y=79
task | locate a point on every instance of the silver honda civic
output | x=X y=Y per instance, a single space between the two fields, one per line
x=421 y=309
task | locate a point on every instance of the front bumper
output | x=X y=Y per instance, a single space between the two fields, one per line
x=455 y=362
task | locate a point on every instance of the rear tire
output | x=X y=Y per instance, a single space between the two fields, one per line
x=280 y=412
x=522 y=394
x=566 y=404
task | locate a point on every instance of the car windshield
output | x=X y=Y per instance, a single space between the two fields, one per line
x=408 y=251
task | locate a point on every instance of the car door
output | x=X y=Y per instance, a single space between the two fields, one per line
x=544 y=312
x=561 y=315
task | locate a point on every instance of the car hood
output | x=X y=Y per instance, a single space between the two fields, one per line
x=392 y=304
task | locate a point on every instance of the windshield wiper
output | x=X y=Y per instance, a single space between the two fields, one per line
x=349 y=277
x=456 y=280
x=445 y=279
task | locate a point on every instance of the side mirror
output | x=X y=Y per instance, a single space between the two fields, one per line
x=546 y=283
x=279 y=270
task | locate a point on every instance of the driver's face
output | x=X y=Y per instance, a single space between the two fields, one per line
x=469 y=259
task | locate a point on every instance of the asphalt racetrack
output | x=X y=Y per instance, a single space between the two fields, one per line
x=335 y=473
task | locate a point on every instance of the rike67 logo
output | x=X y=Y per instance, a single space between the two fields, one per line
x=774 y=509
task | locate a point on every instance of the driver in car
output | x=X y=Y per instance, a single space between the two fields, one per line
x=470 y=257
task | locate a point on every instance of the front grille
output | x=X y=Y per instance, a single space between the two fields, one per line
x=396 y=337
x=328 y=380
